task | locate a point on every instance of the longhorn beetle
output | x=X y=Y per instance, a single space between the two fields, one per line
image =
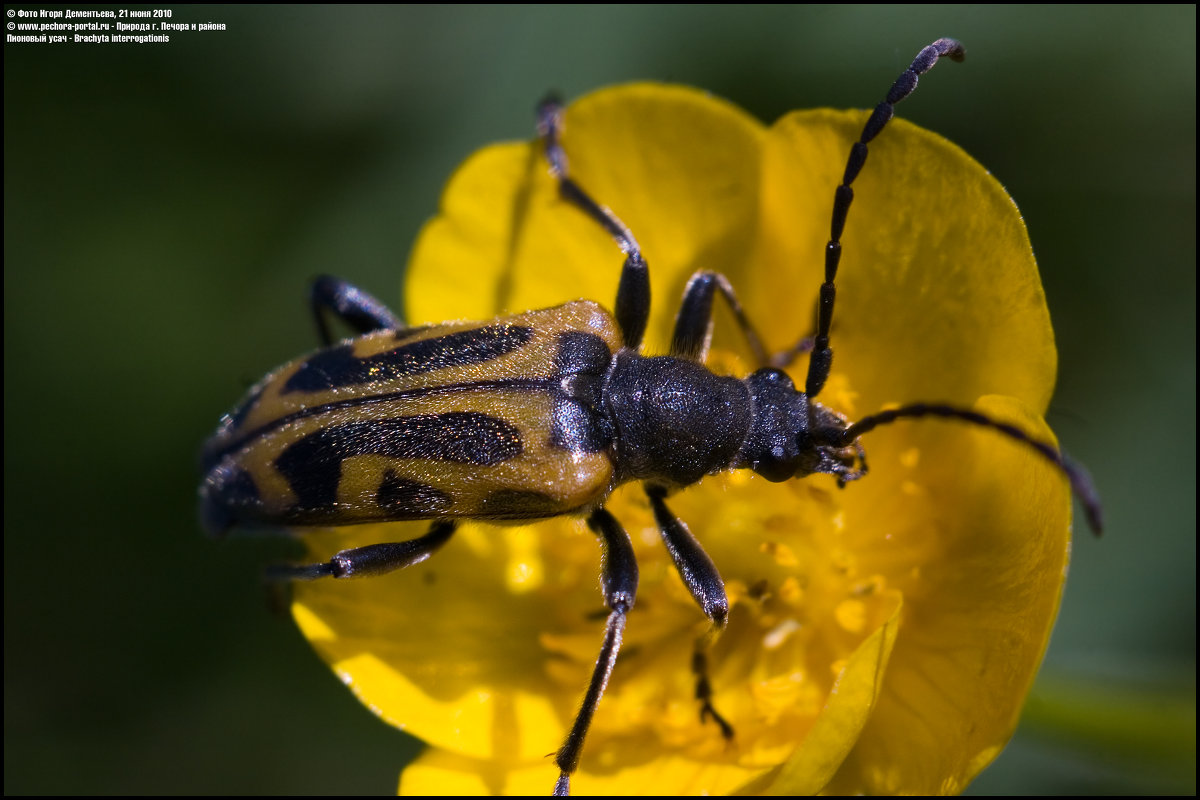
x=544 y=413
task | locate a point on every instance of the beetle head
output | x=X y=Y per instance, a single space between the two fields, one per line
x=791 y=436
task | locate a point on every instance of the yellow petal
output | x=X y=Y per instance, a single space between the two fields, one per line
x=451 y=649
x=441 y=773
x=849 y=706
x=979 y=546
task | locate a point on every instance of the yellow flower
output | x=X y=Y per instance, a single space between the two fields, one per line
x=881 y=638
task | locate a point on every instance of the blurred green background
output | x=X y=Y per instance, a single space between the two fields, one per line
x=166 y=205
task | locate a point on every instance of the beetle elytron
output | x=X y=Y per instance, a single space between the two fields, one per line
x=542 y=414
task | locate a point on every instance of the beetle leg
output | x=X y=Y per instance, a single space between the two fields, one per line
x=785 y=358
x=804 y=345
x=619 y=578
x=632 y=309
x=362 y=312
x=704 y=582
x=698 y=571
x=373 y=559
x=704 y=687
x=693 y=322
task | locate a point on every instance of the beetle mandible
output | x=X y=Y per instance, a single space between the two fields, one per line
x=544 y=413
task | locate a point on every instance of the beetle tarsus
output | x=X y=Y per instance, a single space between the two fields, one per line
x=704 y=689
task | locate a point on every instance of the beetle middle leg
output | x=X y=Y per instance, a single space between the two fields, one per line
x=372 y=559
x=632 y=308
x=618 y=581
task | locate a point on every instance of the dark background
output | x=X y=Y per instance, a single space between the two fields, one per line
x=165 y=206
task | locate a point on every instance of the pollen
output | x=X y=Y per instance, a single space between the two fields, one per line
x=790 y=591
x=783 y=555
x=785 y=694
x=851 y=615
x=776 y=637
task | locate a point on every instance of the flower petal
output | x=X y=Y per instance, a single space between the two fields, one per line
x=847 y=709
x=975 y=531
x=450 y=649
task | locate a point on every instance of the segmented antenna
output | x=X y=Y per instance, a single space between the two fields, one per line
x=1081 y=481
x=822 y=356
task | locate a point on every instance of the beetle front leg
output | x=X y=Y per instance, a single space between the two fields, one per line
x=698 y=571
x=704 y=582
x=619 y=579
x=804 y=345
x=373 y=559
x=693 y=322
x=362 y=312
x=785 y=358
x=704 y=685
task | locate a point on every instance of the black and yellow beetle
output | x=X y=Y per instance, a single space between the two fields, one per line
x=542 y=414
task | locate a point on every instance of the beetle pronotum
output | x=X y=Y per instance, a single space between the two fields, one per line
x=544 y=413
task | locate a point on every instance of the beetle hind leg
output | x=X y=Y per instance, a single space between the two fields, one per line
x=373 y=559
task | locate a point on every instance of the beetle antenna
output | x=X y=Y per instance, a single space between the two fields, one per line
x=822 y=356
x=1081 y=481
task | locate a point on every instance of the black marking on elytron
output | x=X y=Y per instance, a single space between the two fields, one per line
x=517 y=504
x=234 y=489
x=577 y=421
x=409 y=496
x=580 y=382
x=337 y=367
x=312 y=465
x=507 y=385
